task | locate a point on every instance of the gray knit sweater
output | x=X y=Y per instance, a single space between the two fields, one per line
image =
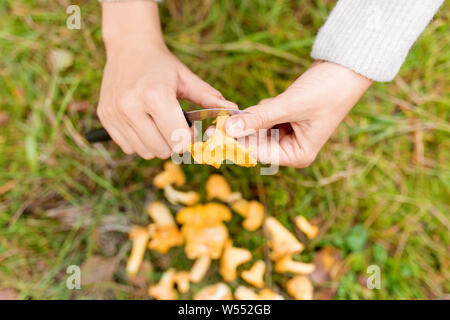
x=373 y=37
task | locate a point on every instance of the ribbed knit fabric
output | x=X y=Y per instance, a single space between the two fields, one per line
x=373 y=37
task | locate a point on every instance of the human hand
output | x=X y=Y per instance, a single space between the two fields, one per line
x=142 y=83
x=306 y=115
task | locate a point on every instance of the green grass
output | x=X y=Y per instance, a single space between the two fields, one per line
x=376 y=199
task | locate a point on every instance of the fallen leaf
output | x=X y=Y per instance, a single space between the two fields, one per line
x=9 y=294
x=78 y=106
x=98 y=269
x=141 y=279
x=3 y=118
x=328 y=262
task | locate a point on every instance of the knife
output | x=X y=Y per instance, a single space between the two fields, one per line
x=101 y=135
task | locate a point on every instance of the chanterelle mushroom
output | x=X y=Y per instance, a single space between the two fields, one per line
x=255 y=275
x=218 y=188
x=232 y=257
x=199 y=269
x=159 y=212
x=204 y=214
x=306 y=227
x=164 y=290
x=281 y=241
x=300 y=288
x=221 y=147
x=164 y=237
x=182 y=279
x=188 y=198
x=252 y=211
x=218 y=291
x=202 y=241
x=172 y=174
x=139 y=236
x=286 y=264
x=244 y=293
x=203 y=230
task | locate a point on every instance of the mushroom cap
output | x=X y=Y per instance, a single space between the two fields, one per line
x=300 y=287
x=164 y=237
x=281 y=241
x=286 y=264
x=268 y=294
x=172 y=174
x=164 y=289
x=188 y=198
x=245 y=293
x=200 y=241
x=252 y=211
x=217 y=188
x=218 y=291
x=221 y=147
x=139 y=235
x=232 y=257
x=199 y=269
x=255 y=275
x=310 y=230
x=204 y=214
x=159 y=212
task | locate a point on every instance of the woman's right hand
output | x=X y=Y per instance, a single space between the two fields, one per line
x=138 y=104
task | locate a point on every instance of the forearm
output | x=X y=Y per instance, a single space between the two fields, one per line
x=129 y=22
x=373 y=37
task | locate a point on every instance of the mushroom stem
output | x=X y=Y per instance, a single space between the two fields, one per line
x=200 y=268
x=139 y=236
x=306 y=227
x=286 y=264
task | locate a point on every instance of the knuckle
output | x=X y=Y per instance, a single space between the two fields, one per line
x=125 y=102
x=260 y=118
x=153 y=93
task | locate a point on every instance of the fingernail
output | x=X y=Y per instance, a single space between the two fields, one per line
x=210 y=132
x=234 y=126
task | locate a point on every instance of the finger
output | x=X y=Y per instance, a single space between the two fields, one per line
x=162 y=105
x=264 y=101
x=209 y=132
x=261 y=116
x=136 y=143
x=119 y=139
x=146 y=130
x=196 y=90
x=278 y=147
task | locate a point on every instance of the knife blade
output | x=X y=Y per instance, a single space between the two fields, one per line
x=101 y=135
x=202 y=114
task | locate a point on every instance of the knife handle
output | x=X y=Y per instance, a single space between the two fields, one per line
x=101 y=135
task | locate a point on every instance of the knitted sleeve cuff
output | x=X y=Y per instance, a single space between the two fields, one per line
x=373 y=37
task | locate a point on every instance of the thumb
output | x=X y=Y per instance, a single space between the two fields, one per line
x=262 y=116
x=197 y=91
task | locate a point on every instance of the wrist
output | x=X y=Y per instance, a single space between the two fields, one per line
x=131 y=23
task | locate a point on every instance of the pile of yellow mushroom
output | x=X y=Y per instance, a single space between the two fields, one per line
x=201 y=229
